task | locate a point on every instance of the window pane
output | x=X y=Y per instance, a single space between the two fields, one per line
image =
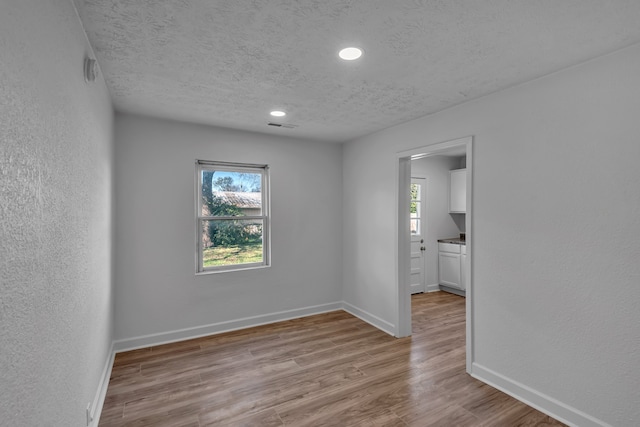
x=415 y=191
x=231 y=193
x=231 y=242
x=415 y=226
x=414 y=209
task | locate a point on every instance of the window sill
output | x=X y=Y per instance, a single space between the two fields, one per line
x=231 y=269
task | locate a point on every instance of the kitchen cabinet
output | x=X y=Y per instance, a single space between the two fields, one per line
x=449 y=265
x=458 y=191
x=452 y=262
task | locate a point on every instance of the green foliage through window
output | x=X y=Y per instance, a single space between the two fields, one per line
x=232 y=216
x=414 y=196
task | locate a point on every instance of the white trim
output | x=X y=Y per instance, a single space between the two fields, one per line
x=417 y=289
x=231 y=166
x=263 y=170
x=221 y=327
x=216 y=328
x=371 y=319
x=237 y=267
x=101 y=393
x=452 y=290
x=248 y=322
x=433 y=149
x=433 y=288
x=550 y=406
x=403 y=173
x=469 y=289
x=536 y=399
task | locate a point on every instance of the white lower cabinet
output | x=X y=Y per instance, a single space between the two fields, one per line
x=452 y=259
x=449 y=264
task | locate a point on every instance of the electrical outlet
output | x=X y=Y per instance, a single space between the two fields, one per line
x=89 y=417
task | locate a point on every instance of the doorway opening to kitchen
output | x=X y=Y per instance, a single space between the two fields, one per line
x=458 y=147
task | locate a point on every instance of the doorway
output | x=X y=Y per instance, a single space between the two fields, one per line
x=403 y=306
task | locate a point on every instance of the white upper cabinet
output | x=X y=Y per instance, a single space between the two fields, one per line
x=458 y=191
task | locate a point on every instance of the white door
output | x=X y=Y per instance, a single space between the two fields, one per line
x=417 y=223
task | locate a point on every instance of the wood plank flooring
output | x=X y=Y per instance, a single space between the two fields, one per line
x=325 y=370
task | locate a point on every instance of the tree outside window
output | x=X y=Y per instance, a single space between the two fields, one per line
x=232 y=216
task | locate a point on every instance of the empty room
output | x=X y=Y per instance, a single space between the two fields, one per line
x=316 y=213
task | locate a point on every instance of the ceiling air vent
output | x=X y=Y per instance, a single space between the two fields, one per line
x=282 y=125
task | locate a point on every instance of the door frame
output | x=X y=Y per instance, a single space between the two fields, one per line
x=403 y=259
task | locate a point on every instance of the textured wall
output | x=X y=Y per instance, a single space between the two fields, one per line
x=55 y=217
x=156 y=288
x=555 y=231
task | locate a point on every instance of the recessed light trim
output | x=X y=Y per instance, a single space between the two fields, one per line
x=350 y=53
x=278 y=113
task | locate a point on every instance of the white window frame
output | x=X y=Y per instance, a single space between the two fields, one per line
x=265 y=217
x=420 y=205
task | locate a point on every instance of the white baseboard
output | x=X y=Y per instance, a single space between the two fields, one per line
x=433 y=288
x=415 y=289
x=550 y=406
x=227 y=326
x=101 y=393
x=374 y=320
x=535 y=399
x=216 y=328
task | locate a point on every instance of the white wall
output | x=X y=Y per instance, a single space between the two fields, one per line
x=157 y=291
x=555 y=234
x=439 y=223
x=55 y=218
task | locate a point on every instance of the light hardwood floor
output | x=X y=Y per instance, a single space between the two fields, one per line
x=325 y=370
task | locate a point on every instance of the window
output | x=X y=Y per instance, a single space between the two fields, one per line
x=232 y=216
x=415 y=210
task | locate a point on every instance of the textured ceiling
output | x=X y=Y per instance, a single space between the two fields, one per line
x=229 y=62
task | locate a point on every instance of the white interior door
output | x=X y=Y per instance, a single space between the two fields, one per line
x=417 y=224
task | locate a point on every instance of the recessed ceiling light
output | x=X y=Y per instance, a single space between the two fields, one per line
x=278 y=113
x=350 y=53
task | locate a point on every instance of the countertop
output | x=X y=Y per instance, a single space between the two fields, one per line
x=454 y=240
